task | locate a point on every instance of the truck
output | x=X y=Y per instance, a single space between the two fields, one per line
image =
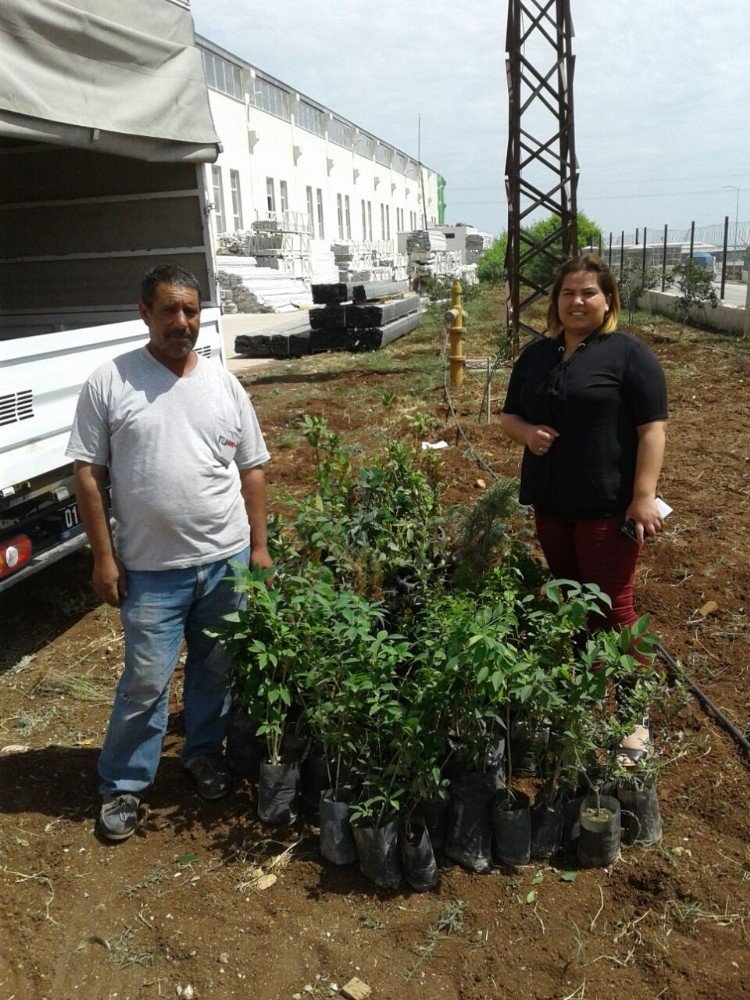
x=104 y=129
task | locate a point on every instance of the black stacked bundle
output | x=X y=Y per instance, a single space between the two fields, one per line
x=361 y=317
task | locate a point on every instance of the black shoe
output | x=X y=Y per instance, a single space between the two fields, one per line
x=118 y=816
x=211 y=774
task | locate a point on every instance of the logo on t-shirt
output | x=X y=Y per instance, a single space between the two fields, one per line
x=227 y=441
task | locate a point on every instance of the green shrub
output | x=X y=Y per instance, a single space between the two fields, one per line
x=395 y=646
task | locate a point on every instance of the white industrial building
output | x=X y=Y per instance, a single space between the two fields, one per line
x=291 y=161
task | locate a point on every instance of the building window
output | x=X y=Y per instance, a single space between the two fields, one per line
x=347 y=217
x=382 y=221
x=383 y=155
x=321 y=227
x=218 y=193
x=364 y=145
x=222 y=75
x=268 y=97
x=412 y=170
x=310 y=118
x=283 y=196
x=310 y=212
x=270 y=195
x=364 y=219
x=387 y=222
x=340 y=133
x=369 y=221
x=340 y=213
x=234 y=184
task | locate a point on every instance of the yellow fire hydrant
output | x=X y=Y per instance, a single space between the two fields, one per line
x=454 y=320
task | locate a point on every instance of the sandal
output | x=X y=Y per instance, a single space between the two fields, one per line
x=629 y=756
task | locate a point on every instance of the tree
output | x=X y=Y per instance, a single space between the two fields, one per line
x=695 y=289
x=491 y=265
x=634 y=283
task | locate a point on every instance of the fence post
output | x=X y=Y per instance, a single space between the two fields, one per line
x=724 y=257
x=664 y=261
x=692 y=238
x=643 y=258
x=610 y=249
x=636 y=237
x=622 y=253
x=489 y=390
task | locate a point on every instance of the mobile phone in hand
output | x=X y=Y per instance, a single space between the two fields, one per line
x=628 y=529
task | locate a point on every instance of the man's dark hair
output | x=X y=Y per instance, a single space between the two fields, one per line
x=166 y=274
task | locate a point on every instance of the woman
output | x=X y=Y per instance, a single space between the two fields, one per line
x=589 y=404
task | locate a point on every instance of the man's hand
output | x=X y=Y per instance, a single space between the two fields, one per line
x=260 y=557
x=109 y=580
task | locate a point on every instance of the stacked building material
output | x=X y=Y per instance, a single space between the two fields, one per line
x=355 y=317
x=287 y=338
x=332 y=317
x=361 y=317
x=400 y=267
x=428 y=256
x=323 y=267
x=476 y=244
x=293 y=344
x=341 y=291
x=268 y=290
x=425 y=241
x=235 y=296
x=467 y=275
x=373 y=338
x=368 y=261
x=369 y=315
x=279 y=250
x=343 y=256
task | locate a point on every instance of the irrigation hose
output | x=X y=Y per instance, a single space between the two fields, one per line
x=477 y=458
x=736 y=735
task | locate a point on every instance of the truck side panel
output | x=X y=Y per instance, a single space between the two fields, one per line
x=78 y=229
x=40 y=379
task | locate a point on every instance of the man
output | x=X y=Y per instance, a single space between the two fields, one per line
x=183 y=449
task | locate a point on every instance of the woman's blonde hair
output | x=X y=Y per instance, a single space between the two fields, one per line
x=605 y=279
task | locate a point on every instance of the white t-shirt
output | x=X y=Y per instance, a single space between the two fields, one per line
x=173 y=446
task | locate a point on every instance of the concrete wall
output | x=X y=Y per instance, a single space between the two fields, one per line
x=729 y=319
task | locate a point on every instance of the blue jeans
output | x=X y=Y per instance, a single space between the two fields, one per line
x=160 y=608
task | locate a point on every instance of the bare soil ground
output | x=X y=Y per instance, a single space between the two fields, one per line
x=179 y=903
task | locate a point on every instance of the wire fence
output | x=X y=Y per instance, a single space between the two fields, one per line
x=738 y=235
x=720 y=249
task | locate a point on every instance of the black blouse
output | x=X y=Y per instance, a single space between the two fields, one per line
x=596 y=399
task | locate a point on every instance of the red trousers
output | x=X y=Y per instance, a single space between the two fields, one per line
x=593 y=552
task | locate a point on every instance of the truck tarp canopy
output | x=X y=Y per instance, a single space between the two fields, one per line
x=119 y=76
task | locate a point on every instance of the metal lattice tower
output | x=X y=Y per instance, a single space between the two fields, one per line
x=541 y=171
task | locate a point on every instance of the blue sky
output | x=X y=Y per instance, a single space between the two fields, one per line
x=661 y=94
